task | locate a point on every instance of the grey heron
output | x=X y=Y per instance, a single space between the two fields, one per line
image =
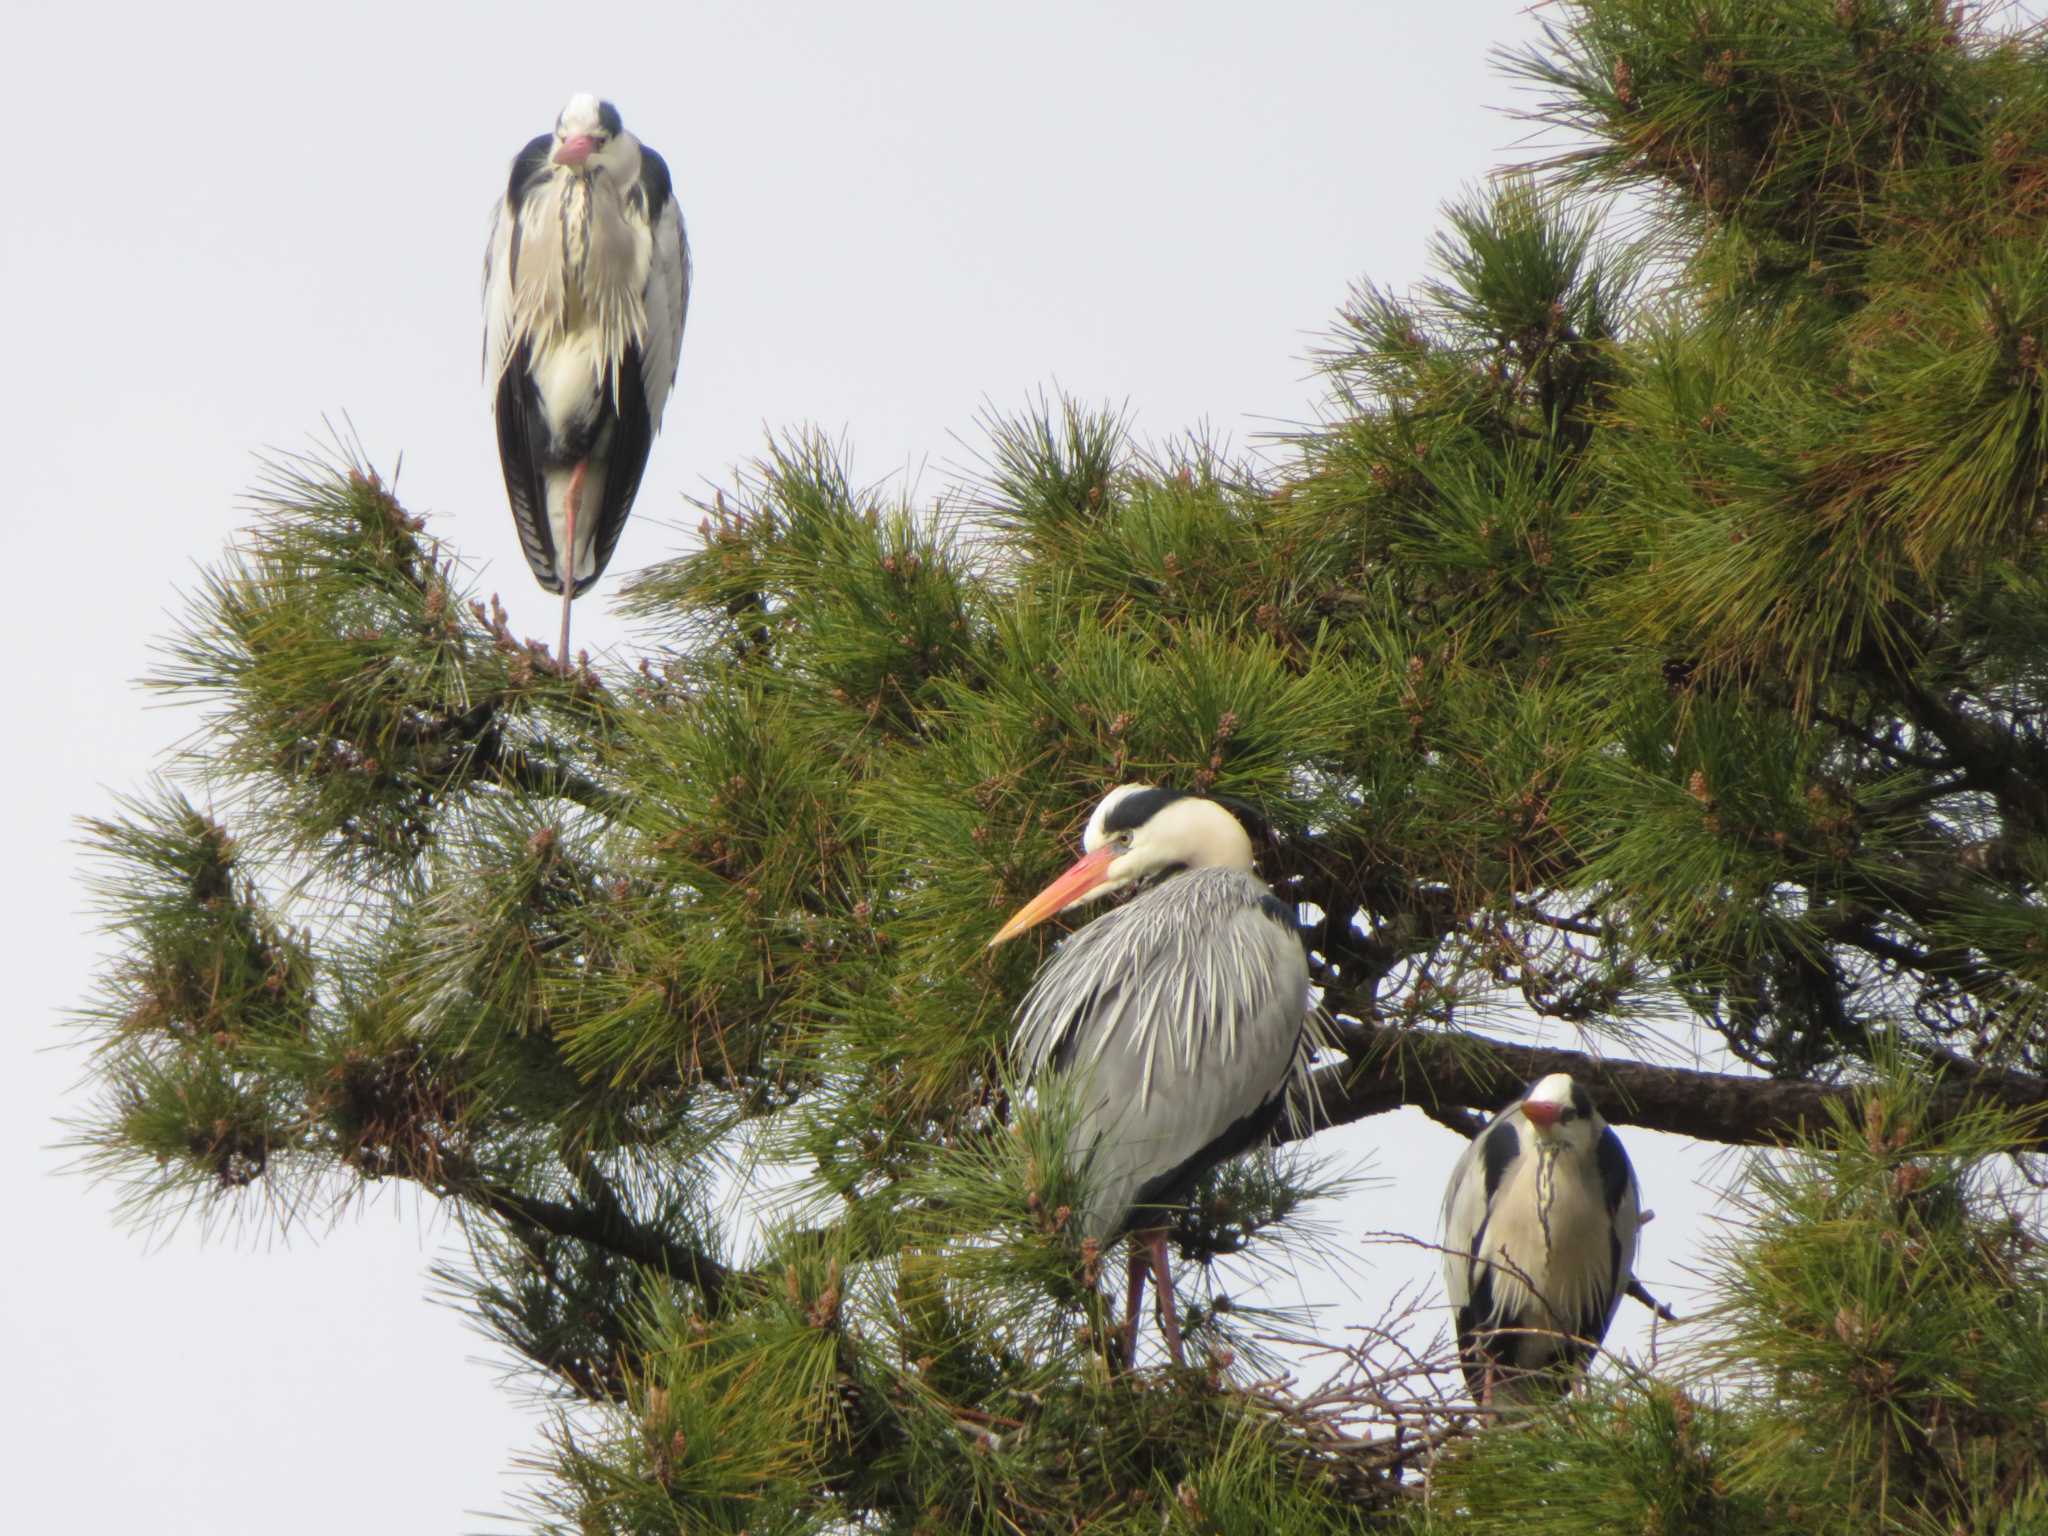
x=586 y=282
x=1539 y=1235
x=1182 y=1014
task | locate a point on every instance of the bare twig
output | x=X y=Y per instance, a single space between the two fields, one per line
x=1641 y=1293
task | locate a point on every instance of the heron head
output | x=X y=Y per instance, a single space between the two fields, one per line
x=1561 y=1113
x=1138 y=833
x=588 y=134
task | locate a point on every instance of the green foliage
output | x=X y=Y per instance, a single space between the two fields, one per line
x=201 y=1026
x=1636 y=1457
x=1654 y=627
x=360 y=699
x=1782 y=131
x=1885 y=1303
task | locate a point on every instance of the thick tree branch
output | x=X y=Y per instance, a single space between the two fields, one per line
x=608 y=1227
x=1441 y=1072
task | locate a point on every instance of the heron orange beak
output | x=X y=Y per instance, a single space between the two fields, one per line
x=1541 y=1114
x=574 y=151
x=1089 y=876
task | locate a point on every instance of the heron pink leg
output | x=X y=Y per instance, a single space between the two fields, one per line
x=565 y=562
x=1162 y=1292
x=1141 y=1262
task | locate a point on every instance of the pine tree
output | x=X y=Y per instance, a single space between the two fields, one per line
x=1656 y=628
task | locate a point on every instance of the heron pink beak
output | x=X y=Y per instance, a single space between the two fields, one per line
x=576 y=150
x=1088 y=876
x=1541 y=1114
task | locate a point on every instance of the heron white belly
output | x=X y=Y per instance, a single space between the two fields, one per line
x=572 y=377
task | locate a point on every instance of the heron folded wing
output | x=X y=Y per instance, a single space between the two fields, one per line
x=632 y=436
x=667 y=294
x=1228 y=1140
x=1625 y=1203
x=1186 y=1009
x=522 y=447
x=498 y=293
x=1480 y=1171
x=501 y=257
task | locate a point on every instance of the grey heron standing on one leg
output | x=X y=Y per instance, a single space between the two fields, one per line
x=1539 y=1234
x=1185 y=1012
x=586 y=282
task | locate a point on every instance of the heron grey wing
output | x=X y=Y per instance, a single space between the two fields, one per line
x=625 y=462
x=501 y=254
x=1247 y=1026
x=1617 y=1174
x=1191 y=1073
x=667 y=291
x=1482 y=1168
x=1464 y=1214
x=1185 y=1009
x=1190 y=1124
x=522 y=446
x=1076 y=991
x=498 y=305
x=1264 y=942
x=1062 y=996
x=1210 y=980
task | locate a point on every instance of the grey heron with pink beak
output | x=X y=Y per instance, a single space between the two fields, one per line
x=586 y=284
x=1540 y=1224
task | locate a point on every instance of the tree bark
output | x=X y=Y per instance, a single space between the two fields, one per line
x=1443 y=1073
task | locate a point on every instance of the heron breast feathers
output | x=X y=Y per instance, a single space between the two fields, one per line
x=582 y=272
x=1547 y=1241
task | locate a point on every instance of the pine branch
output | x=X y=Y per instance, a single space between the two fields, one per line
x=605 y=1225
x=1441 y=1072
x=1882 y=746
x=1640 y=1292
x=521 y=771
x=1994 y=760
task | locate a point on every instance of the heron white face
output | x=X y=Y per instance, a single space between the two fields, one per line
x=1561 y=1114
x=1138 y=831
x=589 y=137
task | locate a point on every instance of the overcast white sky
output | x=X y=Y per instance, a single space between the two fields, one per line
x=229 y=222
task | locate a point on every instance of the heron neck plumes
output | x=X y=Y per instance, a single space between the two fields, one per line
x=1555 y=1232
x=582 y=271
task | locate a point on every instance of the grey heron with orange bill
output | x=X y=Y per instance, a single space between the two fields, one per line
x=1183 y=1014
